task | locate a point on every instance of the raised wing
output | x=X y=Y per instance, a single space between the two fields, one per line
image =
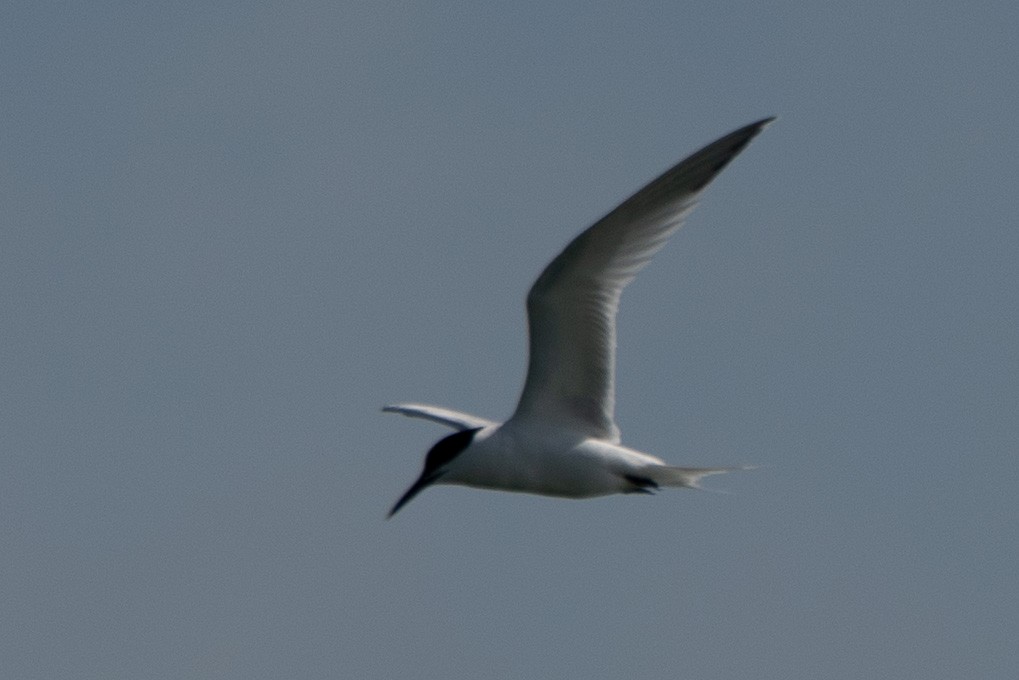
x=437 y=414
x=571 y=309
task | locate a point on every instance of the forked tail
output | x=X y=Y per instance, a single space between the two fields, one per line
x=687 y=477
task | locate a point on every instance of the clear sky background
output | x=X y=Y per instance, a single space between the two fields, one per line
x=231 y=232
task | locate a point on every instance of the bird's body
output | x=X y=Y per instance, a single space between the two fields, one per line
x=548 y=461
x=562 y=440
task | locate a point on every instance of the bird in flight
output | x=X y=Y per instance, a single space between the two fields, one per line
x=562 y=440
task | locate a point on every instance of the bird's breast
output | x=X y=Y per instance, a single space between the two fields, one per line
x=534 y=462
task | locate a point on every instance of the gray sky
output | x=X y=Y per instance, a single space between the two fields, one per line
x=232 y=233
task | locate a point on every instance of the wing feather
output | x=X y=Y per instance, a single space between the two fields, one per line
x=571 y=308
x=437 y=414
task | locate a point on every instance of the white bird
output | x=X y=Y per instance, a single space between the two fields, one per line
x=562 y=439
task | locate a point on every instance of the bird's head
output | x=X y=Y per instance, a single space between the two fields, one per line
x=437 y=464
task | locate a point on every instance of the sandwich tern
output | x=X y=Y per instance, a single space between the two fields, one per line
x=562 y=439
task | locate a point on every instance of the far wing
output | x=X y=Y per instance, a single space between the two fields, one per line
x=571 y=308
x=437 y=414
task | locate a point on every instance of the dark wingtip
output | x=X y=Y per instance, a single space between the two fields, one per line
x=713 y=158
x=747 y=132
x=754 y=128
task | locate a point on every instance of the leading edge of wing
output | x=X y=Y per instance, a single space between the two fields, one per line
x=437 y=414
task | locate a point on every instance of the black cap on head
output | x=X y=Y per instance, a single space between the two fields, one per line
x=439 y=456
